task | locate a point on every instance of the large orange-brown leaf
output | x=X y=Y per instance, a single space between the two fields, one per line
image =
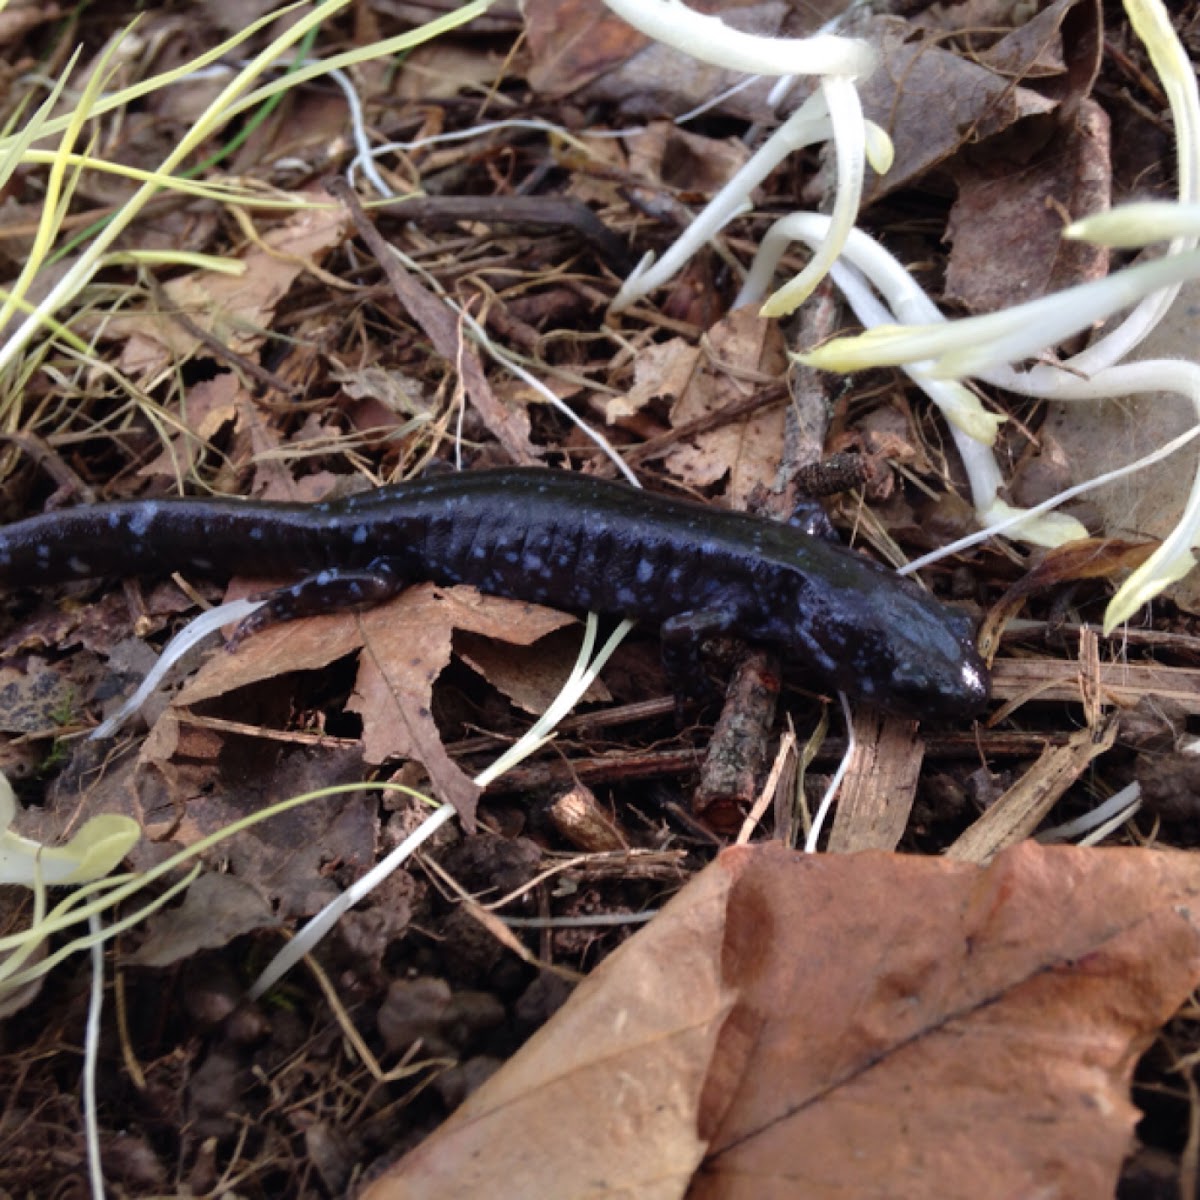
x=848 y=1025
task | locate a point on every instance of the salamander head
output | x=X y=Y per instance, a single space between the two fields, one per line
x=895 y=646
x=928 y=681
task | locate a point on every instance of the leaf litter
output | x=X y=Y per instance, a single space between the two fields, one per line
x=969 y=1012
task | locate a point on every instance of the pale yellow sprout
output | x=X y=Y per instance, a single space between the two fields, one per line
x=92 y=853
x=1139 y=224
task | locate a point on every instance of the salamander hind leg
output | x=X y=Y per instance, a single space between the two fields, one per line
x=683 y=637
x=332 y=590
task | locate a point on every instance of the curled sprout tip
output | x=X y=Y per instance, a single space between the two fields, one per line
x=881 y=151
x=1158 y=572
x=1131 y=225
x=1049 y=530
x=92 y=853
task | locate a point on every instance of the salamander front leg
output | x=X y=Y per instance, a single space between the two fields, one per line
x=683 y=637
x=333 y=590
x=810 y=517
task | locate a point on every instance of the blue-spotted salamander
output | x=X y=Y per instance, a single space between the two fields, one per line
x=553 y=538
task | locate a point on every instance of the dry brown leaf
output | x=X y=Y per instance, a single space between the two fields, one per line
x=574 y=41
x=582 y=50
x=394 y=689
x=660 y=372
x=845 y=1025
x=407 y=643
x=662 y=153
x=288 y=857
x=932 y=101
x=744 y=352
x=208 y=406
x=216 y=909
x=1006 y=225
x=530 y=676
x=234 y=308
x=275 y=478
x=1085 y=558
x=306 y=645
x=441 y=69
x=1057 y=49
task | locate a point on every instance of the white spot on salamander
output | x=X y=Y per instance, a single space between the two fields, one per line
x=360 y=535
x=645 y=570
x=79 y=566
x=142 y=517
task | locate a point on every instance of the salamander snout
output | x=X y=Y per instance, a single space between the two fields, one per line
x=935 y=686
x=967 y=694
x=938 y=674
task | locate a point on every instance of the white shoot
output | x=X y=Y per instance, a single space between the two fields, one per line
x=189 y=636
x=712 y=41
x=974 y=344
x=316 y=928
x=1120 y=806
x=850 y=138
x=1005 y=525
x=986 y=346
x=833 y=111
x=866 y=265
x=91 y=1059
x=810 y=123
x=819 y=818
